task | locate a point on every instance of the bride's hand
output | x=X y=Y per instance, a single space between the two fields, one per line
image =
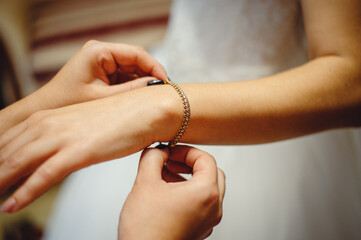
x=98 y=70
x=51 y=144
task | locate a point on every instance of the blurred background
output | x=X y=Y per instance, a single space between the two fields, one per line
x=37 y=37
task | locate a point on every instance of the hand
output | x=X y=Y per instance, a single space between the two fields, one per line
x=102 y=69
x=162 y=205
x=98 y=70
x=51 y=144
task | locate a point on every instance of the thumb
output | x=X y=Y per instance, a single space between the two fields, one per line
x=151 y=164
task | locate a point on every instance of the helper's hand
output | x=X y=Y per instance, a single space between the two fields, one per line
x=51 y=144
x=162 y=205
x=98 y=70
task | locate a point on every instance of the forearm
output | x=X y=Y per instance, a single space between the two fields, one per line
x=322 y=94
x=47 y=97
x=19 y=111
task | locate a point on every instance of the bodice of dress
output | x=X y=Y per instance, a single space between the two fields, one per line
x=231 y=40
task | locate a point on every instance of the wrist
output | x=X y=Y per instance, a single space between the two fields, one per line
x=152 y=228
x=141 y=232
x=171 y=113
x=19 y=111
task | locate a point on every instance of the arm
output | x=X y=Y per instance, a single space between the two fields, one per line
x=94 y=72
x=162 y=205
x=322 y=94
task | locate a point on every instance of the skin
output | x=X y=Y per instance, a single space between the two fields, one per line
x=98 y=70
x=164 y=205
x=324 y=93
x=94 y=72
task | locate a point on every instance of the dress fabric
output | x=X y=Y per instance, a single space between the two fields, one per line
x=304 y=188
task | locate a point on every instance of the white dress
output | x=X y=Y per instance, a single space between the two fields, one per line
x=305 y=188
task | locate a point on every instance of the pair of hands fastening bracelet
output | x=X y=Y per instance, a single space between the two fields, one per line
x=186 y=109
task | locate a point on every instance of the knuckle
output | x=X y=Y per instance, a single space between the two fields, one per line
x=13 y=161
x=45 y=174
x=44 y=124
x=97 y=48
x=206 y=157
x=219 y=216
x=91 y=43
x=26 y=193
x=48 y=122
x=213 y=196
x=103 y=54
x=88 y=147
x=209 y=233
x=139 y=48
x=211 y=157
x=132 y=86
x=221 y=174
x=37 y=116
x=209 y=196
x=100 y=51
x=4 y=154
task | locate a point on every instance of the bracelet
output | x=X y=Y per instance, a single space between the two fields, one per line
x=186 y=116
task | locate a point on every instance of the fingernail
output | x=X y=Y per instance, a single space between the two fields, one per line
x=161 y=146
x=8 y=205
x=155 y=82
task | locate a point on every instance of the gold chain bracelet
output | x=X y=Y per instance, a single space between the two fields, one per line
x=186 y=116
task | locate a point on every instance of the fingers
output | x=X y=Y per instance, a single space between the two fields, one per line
x=132 y=55
x=17 y=143
x=127 y=57
x=12 y=133
x=127 y=86
x=178 y=167
x=49 y=173
x=24 y=161
x=135 y=70
x=169 y=176
x=22 y=151
x=120 y=76
x=204 y=165
x=184 y=154
x=221 y=186
x=207 y=234
x=204 y=170
x=151 y=164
